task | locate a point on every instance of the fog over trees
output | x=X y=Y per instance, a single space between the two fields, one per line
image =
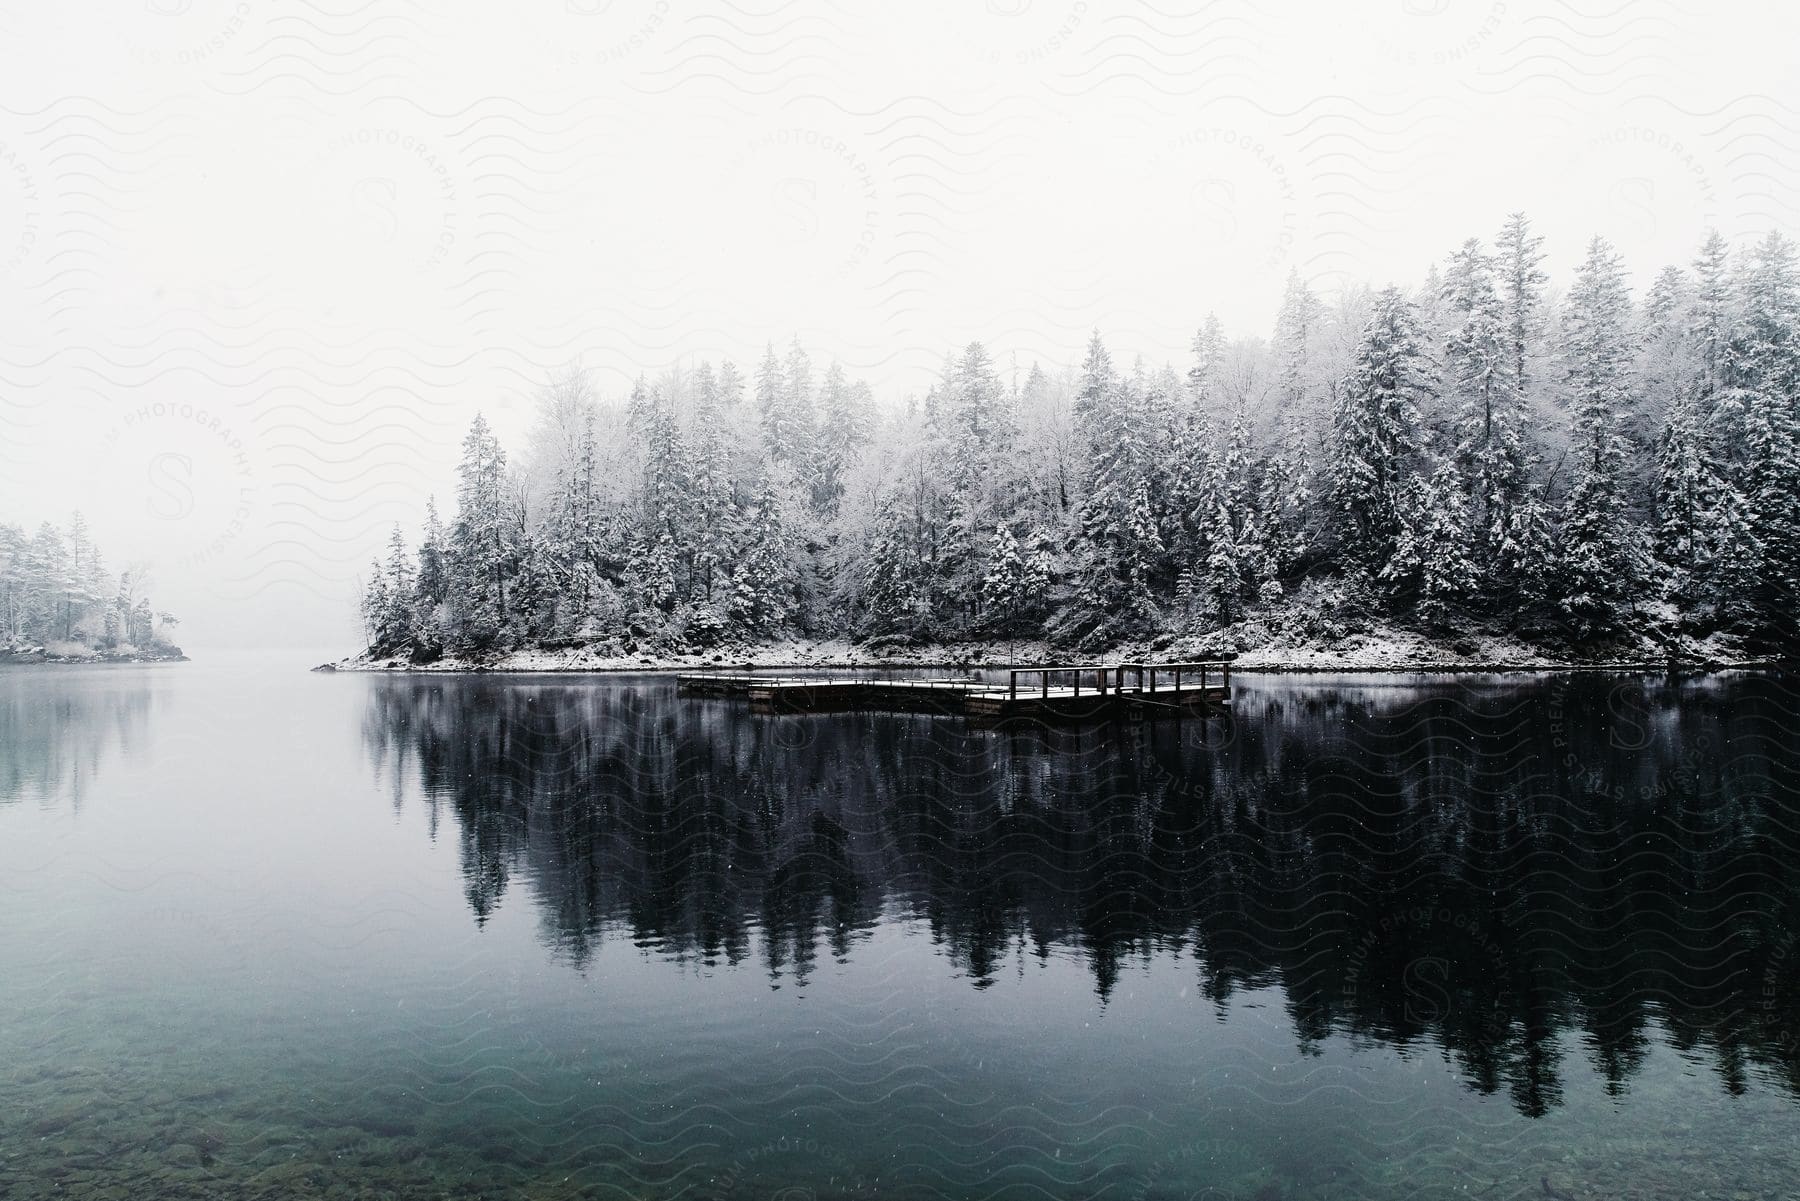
x=1568 y=462
x=57 y=594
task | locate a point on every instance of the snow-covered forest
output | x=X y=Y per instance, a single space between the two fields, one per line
x=1570 y=463
x=57 y=595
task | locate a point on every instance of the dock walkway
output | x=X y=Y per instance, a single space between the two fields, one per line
x=1073 y=692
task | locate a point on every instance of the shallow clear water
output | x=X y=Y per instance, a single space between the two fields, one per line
x=273 y=934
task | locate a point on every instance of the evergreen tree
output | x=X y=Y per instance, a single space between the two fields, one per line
x=1434 y=560
x=713 y=491
x=1117 y=546
x=1296 y=330
x=892 y=594
x=1698 y=518
x=1013 y=590
x=780 y=437
x=1208 y=348
x=762 y=600
x=844 y=423
x=1282 y=501
x=1482 y=369
x=1222 y=576
x=12 y=600
x=1376 y=443
x=1763 y=368
x=1599 y=556
x=483 y=545
x=1712 y=316
x=1518 y=254
x=388 y=604
x=432 y=581
x=973 y=440
x=660 y=562
x=76 y=576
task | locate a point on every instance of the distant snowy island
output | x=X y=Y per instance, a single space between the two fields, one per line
x=59 y=603
x=1475 y=472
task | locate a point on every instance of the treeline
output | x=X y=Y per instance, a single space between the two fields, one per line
x=1477 y=453
x=57 y=593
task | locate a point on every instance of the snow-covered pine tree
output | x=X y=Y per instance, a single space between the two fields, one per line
x=1764 y=371
x=1208 y=348
x=1167 y=411
x=972 y=434
x=763 y=601
x=781 y=437
x=1600 y=558
x=1116 y=548
x=712 y=490
x=1190 y=477
x=1376 y=443
x=46 y=563
x=1668 y=370
x=375 y=606
x=1713 y=315
x=661 y=565
x=845 y=420
x=1518 y=255
x=432 y=580
x=1296 y=327
x=1000 y=586
x=797 y=402
x=1234 y=552
x=78 y=591
x=1223 y=569
x=1428 y=307
x=890 y=594
x=1434 y=563
x=1013 y=590
x=390 y=604
x=1283 y=498
x=1666 y=304
x=1694 y=505
x=483 y=547
x=731 y=386
x=12 y=549
x=1488 y=421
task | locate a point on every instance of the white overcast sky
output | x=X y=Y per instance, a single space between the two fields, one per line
x=260 y=263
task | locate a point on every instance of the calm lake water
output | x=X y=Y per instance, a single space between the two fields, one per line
x=271 y=934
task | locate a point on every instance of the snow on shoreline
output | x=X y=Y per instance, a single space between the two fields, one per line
x=22 y=656
x=1385 y=650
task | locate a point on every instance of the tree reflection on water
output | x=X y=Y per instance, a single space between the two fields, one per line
x=1477 y=866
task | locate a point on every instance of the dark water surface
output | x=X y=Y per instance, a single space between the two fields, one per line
x=271 y=934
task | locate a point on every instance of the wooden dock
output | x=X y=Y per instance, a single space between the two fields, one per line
x=1078 y=692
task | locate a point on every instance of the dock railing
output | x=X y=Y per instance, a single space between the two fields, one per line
x=1045 y=673
x=1146 y=677
x=1148 y=672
